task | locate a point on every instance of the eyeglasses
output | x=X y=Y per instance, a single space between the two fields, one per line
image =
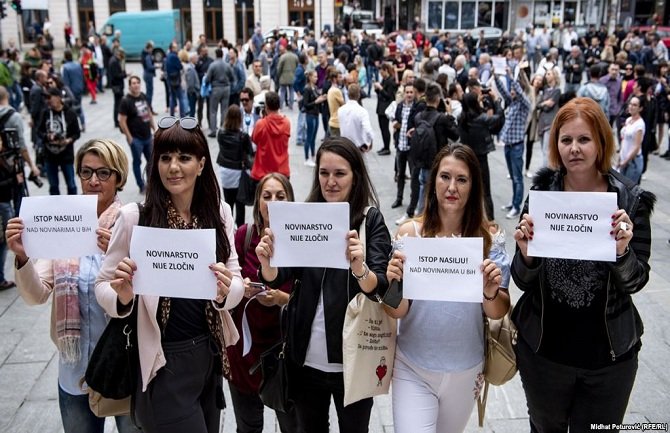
x=185 y=122
x=244 y=99
x=103 y=173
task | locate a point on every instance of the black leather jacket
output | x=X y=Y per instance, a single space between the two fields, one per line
x=338 y=287
x=628 y=275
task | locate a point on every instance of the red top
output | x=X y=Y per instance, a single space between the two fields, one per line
x=263 y=321
x=271 y=135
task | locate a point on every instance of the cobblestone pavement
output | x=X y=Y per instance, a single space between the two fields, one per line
x=28 y=359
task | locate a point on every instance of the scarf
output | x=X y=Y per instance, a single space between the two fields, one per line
x=66 y=295
x=212 y=316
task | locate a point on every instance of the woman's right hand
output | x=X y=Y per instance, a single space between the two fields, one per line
x=395 y=266
x=14 y=242
x=523 y=233
x=123 y=283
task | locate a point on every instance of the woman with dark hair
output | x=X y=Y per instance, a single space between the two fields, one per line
x=262 y=308
x=318 y=305
x=312 y=105
x=78 y=320
x=440 y=348
x=547 y=105
x=385 y=95
x=181 y=341
x=235 y=154
x=579 y=331
x=474 y=127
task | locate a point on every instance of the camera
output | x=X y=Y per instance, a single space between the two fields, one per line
x=259 y=109
x=36 y=180
x=10 y=138
x=486 y=90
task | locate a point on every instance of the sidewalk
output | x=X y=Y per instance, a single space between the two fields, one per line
x=28 y=359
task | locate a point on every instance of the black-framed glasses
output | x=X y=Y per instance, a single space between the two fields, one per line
x=187 y=122
x=244 y=99
x=103 y=173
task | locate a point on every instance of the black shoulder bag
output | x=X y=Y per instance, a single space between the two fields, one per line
x=112 y=370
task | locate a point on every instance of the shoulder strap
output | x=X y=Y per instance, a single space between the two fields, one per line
x=5 y=117
x=242 y=258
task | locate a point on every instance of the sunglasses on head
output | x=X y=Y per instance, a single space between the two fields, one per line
x=187 y=122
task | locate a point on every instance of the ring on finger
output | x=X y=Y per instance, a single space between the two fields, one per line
x=624 y=226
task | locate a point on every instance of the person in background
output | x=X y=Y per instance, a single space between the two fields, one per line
x=286 y=71
x=137 y=124
x=335 y=100
x=173 y=74
x=404 y=113
x=318 y=306
x=632 y=135
x=271 y=135
x=182 y=342
x=312 y=102
x=202 y=66
x=262 y=308
x=149 y=72
x=438 y=371
x=102 y=167
x=73 y=78
x=117 y=75
x=355 y=120
x=91 y=72
x=222 y=79
x=299 y=87
x=235 y=153
x=240 y=75
x=582 y=349
x=192 y=82
x=385 y=95
x=547 y=105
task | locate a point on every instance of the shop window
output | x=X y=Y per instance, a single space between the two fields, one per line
x=435 y=15
x=451 y=15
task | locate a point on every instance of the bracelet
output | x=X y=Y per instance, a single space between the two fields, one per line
x=365 y=273
x=495 y=295
x=624 y=253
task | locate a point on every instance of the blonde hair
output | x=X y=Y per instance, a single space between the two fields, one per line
x=111 y=154
x=183 y=55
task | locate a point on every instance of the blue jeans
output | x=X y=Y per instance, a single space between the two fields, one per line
x=312 y=127
x=6 y=212
x=149 y=83
x=282 y=96
x=78 y=418
x=177 y=96
x=302 y=129
x=514 y=159
x=633 y=170
x=373 y=75
x=68 y=173
x=140 y=147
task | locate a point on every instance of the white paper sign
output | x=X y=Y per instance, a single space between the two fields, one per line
x=443 y=269
x=60 y=226
x=572 y=225
x=174 y=263
x=499 y=65
x=311 y=235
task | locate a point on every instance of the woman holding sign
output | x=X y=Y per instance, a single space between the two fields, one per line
x=579 y=330
x=262 y=308
x=317 y=310
x=439 y=357
x=182 y=341
x=102 y=167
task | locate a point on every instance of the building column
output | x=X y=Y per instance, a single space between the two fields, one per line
x=197 y=18
x=133 y=5
x=228 y=7
x=101 y=8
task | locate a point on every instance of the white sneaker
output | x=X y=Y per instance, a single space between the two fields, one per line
x=507 y=207
x=310 y=163
x=514 y=213
x=530 y=174
x=402 y=219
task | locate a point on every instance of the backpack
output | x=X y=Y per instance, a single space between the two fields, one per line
x=423 y=143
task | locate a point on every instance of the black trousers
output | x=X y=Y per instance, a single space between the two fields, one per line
x=384 y=126
x=486 y=180
x=312 y=393
x=561 y=397
x=186 y=394
x=249 y=409
x=230 y=197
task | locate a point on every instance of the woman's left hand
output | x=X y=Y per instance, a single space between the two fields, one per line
x=622 y=230
x=103 y=237
x=223 y=280
x=355 y=253
x=492 y=277
x=272 y=297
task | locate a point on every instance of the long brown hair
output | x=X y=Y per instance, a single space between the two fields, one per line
x=206 y=203
x=288 y=189
x=474 y=222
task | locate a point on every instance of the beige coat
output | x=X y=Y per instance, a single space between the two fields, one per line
x=152 y=357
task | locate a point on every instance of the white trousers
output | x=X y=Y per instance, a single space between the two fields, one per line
x=427 y=401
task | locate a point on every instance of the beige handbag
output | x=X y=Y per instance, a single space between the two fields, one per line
x=499 y=357
x=103 y=407
x=368 y=345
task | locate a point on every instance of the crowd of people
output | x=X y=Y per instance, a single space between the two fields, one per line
x=446 y=103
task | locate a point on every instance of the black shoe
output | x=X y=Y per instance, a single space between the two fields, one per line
x=384 y=152
x=396 y=204
x=666 y=154
x=211 y=134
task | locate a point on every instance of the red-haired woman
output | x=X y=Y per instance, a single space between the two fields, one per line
x=579 y=330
